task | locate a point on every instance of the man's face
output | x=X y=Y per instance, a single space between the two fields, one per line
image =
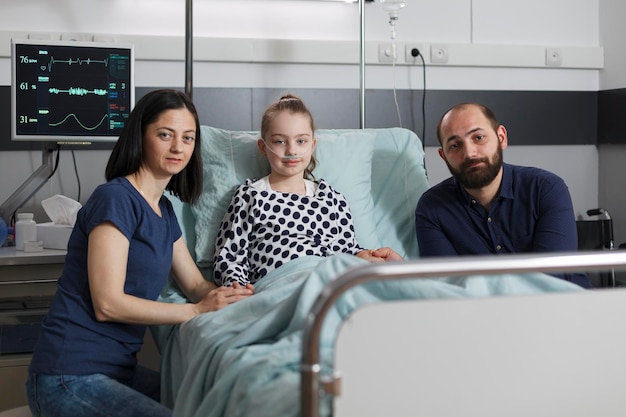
x=471 y=148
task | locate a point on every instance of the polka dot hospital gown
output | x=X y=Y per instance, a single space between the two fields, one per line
x=262 y=229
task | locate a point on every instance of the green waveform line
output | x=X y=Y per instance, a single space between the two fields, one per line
x=77 y=61
x=78 y=121
x=77 y=91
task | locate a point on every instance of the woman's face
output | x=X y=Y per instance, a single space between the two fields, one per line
x=169 y=142
x=289 y=144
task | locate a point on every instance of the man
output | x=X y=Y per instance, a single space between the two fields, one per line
x=487 y=206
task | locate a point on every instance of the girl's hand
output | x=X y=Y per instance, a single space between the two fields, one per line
x=379 y=255
x=387 y=254
x=369 y=256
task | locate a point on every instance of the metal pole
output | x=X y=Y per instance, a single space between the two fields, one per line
x=362 y=64
x=189 y=48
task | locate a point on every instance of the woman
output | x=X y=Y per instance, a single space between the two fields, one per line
x=125 y=243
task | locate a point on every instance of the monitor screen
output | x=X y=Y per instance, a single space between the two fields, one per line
x=69 y=91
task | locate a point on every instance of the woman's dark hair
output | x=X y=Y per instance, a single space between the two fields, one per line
x=291 y=104
x=127 y=155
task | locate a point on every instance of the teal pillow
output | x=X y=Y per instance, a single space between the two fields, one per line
x=398 y=180
x=345 y=160
x=230 y=157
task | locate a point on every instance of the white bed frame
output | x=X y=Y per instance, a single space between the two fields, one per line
x=556 y=354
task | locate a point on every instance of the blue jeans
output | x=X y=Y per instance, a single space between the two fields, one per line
x=96 y=395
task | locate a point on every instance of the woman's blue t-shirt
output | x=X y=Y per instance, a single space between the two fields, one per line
x=72 y=341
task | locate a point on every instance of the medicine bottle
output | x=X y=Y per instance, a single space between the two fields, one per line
x=25 y=230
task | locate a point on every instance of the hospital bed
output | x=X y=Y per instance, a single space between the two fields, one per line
x=538 y=354
x=312 y=340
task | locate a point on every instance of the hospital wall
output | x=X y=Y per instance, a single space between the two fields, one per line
x=248 y=52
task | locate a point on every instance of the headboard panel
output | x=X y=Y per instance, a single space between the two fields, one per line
x=380 y=171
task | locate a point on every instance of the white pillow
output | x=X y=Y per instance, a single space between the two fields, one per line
x=230 y=157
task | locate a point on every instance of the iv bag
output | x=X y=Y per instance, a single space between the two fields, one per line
x=392 y=7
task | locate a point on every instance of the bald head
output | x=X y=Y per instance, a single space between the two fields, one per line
x=459 y=109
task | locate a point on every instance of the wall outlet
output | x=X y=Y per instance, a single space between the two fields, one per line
x=410 y=49
x=554 y=57
x=387 y=52
x=439 y=54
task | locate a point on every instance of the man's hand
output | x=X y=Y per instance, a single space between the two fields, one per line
x=379 y=255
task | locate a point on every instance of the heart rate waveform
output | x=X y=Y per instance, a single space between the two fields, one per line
x=79 y=61
x=72 y=115
x=77 y=91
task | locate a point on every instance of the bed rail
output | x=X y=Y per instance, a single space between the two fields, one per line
x=312 y=386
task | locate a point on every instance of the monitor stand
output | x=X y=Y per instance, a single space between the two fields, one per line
x=31 y=185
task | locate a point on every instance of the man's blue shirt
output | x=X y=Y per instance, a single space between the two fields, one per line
x=532 y=213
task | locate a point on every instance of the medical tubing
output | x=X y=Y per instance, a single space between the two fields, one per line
x=268 y=147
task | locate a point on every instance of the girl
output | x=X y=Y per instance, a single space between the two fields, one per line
x=286 y=214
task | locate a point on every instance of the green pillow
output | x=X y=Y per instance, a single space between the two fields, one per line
x=345 y=160
x=230 y=157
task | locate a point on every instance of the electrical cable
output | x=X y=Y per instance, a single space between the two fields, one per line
x=423 y=102
x=424 y=112
x=415 y=53
x=56 y=164
x=76 y=173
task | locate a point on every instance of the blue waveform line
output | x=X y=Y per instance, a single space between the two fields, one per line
x=79 y=122
x=78 y=61
x=77 y=91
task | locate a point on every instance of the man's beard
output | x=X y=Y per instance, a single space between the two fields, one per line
x=475 y=178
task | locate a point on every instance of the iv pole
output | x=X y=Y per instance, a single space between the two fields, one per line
x=189 y=48
x=362 y=64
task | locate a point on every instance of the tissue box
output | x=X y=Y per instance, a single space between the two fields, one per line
x=54 y=236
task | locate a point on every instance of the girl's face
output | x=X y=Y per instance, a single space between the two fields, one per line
x=289 y=144
x=169 y=142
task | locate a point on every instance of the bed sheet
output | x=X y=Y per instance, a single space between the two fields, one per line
x=244 y=360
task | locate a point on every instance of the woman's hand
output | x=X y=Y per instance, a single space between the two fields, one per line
x=220 y=297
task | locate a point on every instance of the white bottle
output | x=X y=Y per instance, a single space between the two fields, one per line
x=25 y=230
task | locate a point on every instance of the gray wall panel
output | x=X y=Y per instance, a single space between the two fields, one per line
x=531 y=117
x=611 y=116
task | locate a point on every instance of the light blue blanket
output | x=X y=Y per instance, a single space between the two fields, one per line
x=244 y=360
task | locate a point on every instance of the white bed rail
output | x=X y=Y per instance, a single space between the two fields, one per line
x=311 y=385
